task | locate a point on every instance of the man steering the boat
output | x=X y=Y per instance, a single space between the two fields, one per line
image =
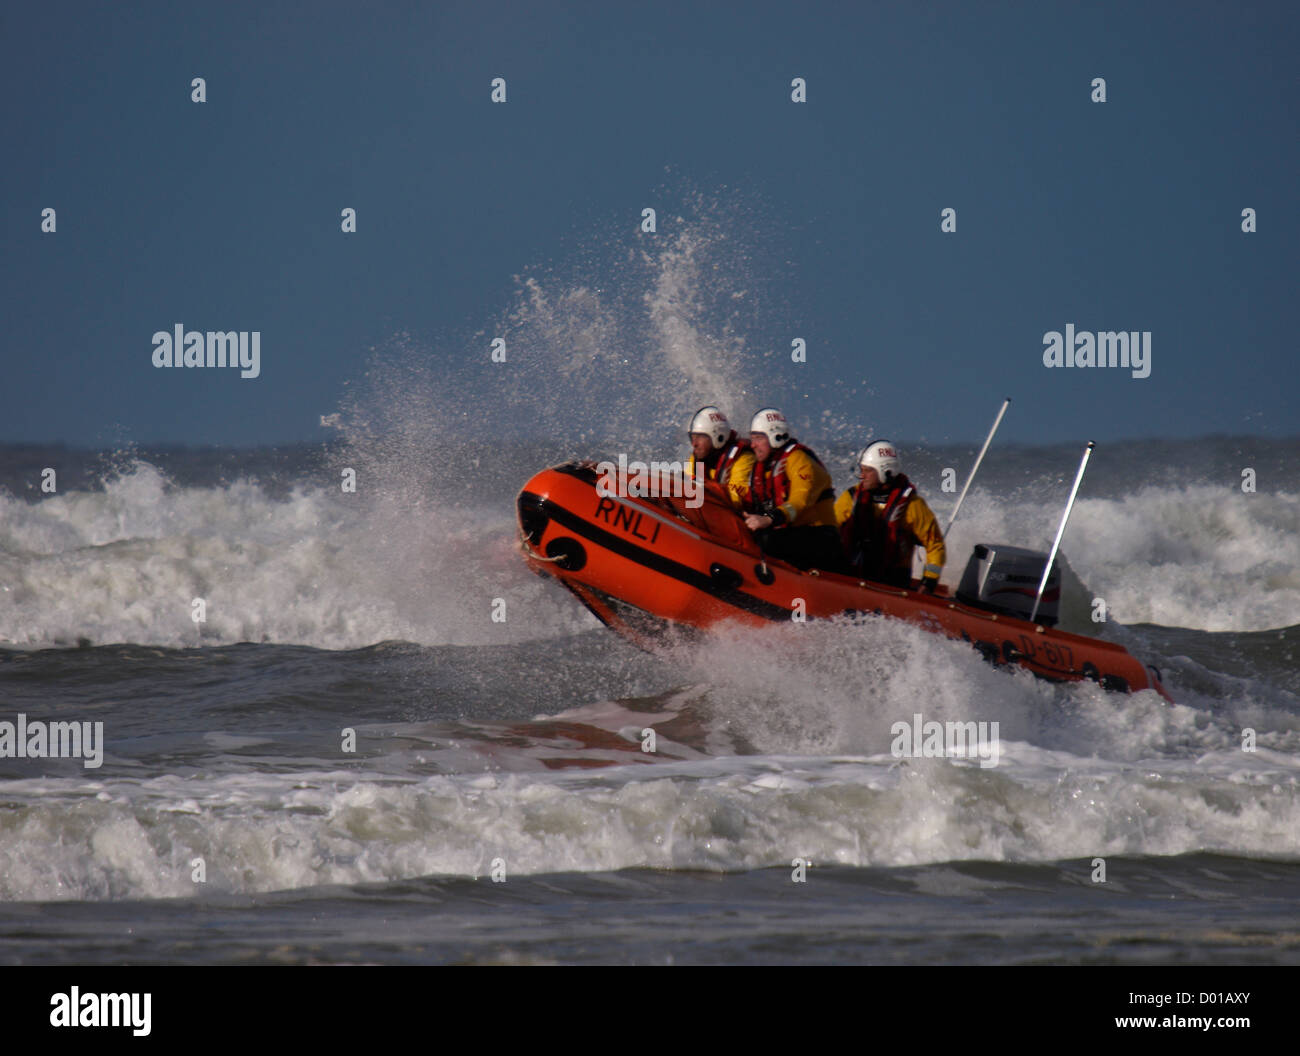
x=728 y=460
x=883 y=519
x=789 y=503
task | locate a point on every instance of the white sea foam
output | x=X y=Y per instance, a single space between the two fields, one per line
x=337 y=571
x=269 y=832
x=317 y=568
x=776 y=745
x=1175 y=556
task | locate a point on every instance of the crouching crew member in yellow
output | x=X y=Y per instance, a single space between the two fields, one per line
x=728 y=461
x=790 y=505
x=883 y=519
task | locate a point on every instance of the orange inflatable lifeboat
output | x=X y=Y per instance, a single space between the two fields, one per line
x=642 y=564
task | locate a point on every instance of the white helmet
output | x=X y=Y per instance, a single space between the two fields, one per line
x=881 y=456
x=712 y=423
x=772 y=424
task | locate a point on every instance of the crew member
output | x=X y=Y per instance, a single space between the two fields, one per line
x=728 y=460
x=790 y=505
x=883 y=519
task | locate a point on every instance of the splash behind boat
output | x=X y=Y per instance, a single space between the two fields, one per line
x=642 y=564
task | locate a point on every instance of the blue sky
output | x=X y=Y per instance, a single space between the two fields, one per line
x=225 y=215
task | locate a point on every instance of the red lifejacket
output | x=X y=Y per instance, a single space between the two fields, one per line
x=726 y=458
x=769 y=486
x=876 y=553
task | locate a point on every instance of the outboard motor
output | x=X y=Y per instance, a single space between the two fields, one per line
x=1004 y=579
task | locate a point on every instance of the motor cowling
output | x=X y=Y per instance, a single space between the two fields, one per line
x=1004 y=579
